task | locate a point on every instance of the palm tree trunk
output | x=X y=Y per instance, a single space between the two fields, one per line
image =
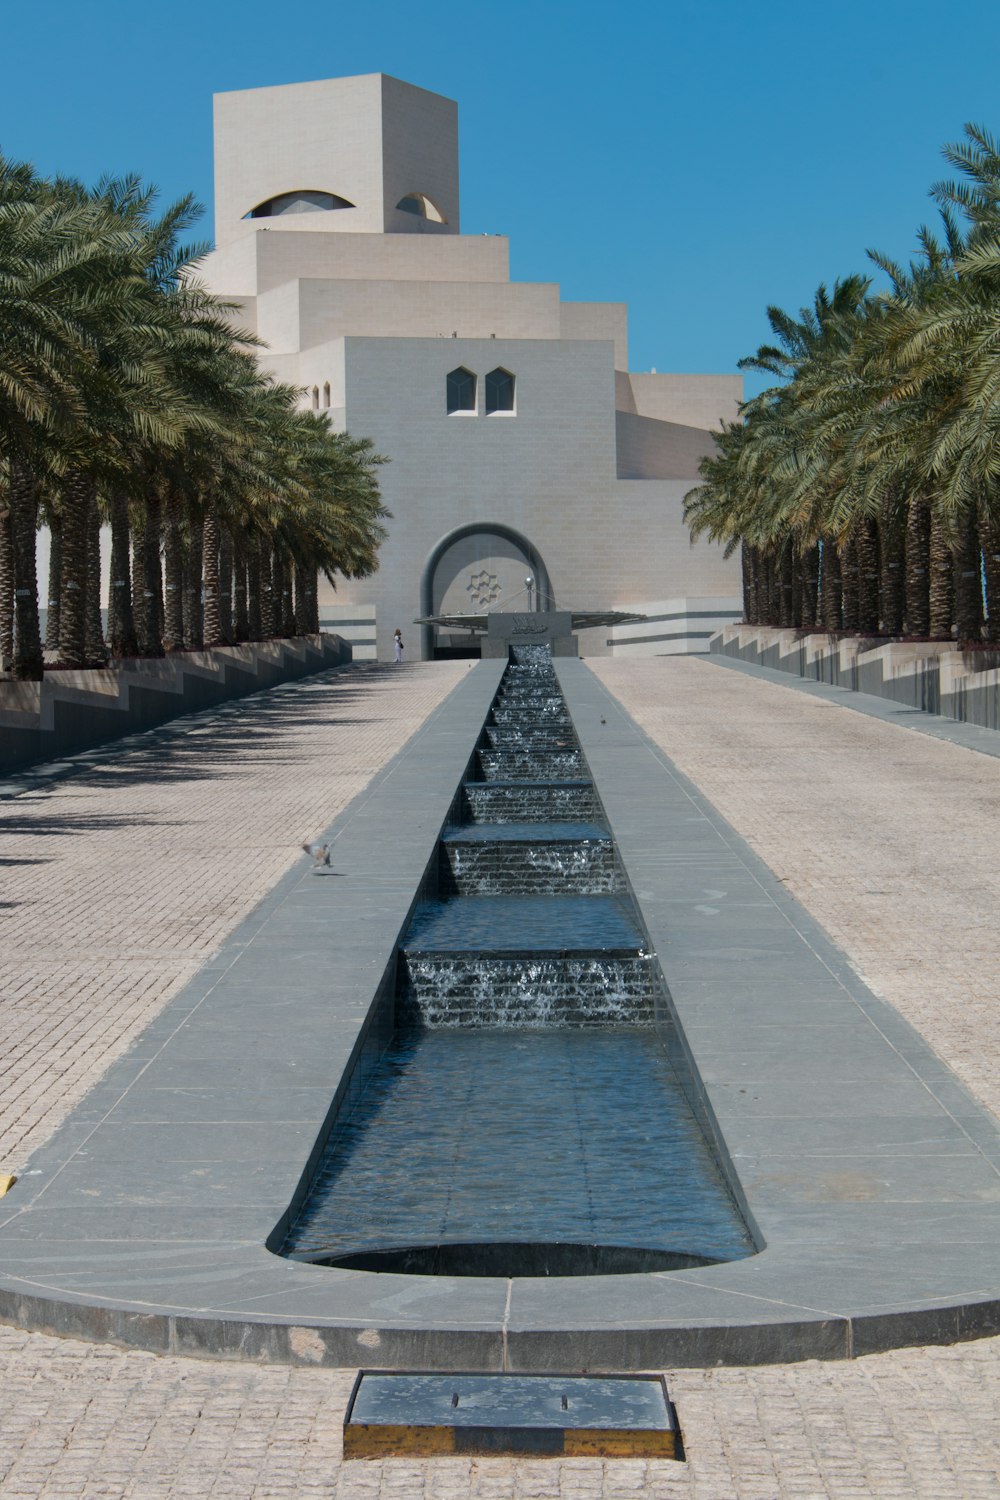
x=121 y=623
x=314 y=602
x=173 y=575
x=150 y=613
x=138 y=588
x=989 y=530
x=226 y=585
x=55 y=581
x=758 y=592
x=830 y=587
x=849 y=583
x=73 y=503
x=867 y=555
x=278 y=576
x=892 y=536
x=95 y=644
x=241 y=620
x=255 y=592
x=305 y=594
x=786 y=573
x=6 y=588
x=210 y=563
x=809 y=575
x=746 y=573
x=194 y=608
x=774 y=587
x=763 y=586
x=968 y=579
x=942 y=582
x=288 y=629
x=268 y=613
x=772 y=613
x=29 y=663
x=918 y=562
x=796 y=564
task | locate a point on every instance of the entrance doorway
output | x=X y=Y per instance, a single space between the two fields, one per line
x=475 y=570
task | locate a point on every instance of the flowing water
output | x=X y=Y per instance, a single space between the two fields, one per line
x=526 y=1118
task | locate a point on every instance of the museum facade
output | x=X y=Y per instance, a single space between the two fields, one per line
x=528 y=466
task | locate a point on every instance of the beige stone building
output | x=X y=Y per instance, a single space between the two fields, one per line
x=521 y=445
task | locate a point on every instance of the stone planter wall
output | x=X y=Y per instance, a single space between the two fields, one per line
x=934 y=676
x=77 y=710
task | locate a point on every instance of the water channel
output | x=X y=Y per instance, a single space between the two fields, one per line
x=527 y=1117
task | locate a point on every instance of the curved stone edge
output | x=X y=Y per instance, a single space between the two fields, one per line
x=554 y=1350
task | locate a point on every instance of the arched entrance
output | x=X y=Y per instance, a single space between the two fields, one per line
x=475 y=569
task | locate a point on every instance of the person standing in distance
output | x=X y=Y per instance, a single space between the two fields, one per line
x=397 y=645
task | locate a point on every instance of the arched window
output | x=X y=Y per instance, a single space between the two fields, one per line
x=315 y=397
x=421 y=205
x=461 y=390
x=302 y=201
x=499 y=391
x=326 y=394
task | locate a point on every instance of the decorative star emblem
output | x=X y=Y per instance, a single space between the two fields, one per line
x=483 y=587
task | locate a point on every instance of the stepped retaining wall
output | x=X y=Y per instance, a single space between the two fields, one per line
x=70 y=711
x=934 y=676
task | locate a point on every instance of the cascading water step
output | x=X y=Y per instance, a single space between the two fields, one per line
x=524 y=858
x=546 y=801
x=534 y=736
x=525 y=961
x=526 y=991
x=552 y=710
x=524 y=765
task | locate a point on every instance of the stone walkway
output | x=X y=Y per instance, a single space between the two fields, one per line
x=889 y=839
x=122 y=878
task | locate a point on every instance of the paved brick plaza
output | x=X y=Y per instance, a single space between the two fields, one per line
x=120 y=880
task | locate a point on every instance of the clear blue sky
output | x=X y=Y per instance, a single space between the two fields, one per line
x=696 y=160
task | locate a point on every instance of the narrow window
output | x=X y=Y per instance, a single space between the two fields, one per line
x=461 y=390
x=315 y=398
x=499 y=391
x=326 y=394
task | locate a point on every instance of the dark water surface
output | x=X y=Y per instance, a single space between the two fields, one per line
x=546 y=1136
x=543 y=924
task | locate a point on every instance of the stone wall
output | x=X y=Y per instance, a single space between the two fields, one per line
x=934 y=676
x=72 y=711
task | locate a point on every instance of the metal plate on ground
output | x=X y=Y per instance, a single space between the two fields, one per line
x=405 y=1413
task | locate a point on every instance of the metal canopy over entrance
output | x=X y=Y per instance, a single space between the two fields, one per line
x=587 y=619
x=495 y=633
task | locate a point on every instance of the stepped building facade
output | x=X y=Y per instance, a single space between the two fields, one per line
x=521 y=447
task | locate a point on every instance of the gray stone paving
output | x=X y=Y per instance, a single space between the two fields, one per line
x=84 y=1420
x=123 y=877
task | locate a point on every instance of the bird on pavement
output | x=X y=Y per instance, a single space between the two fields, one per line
x=320 y=854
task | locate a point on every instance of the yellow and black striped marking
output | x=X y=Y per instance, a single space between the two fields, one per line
x=412 y=1414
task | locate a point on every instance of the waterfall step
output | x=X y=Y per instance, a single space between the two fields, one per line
x=523 y=765
x=529 y=736
x=545 y=801
x=526 y=991
x=551 y=710
x=524 y=858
